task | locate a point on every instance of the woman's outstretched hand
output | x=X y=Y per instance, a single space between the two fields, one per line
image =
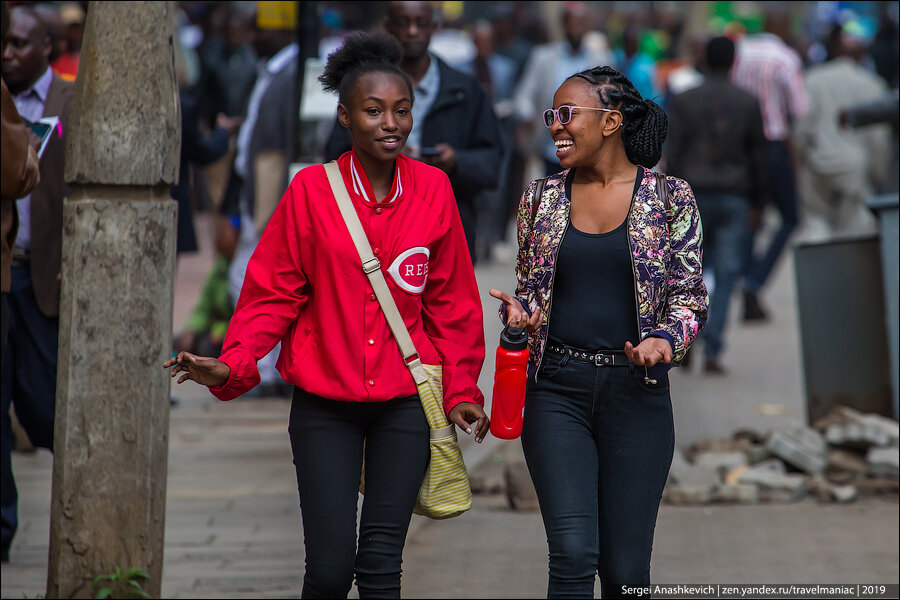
x=466 y=413
x=515 y=314
x=204 y=370
x=649 y=352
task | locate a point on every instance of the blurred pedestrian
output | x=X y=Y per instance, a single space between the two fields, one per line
x=228 y=66
x=454 y=126
x=497 y=75
x=509 y=38
x=204 y=332
x=885 y=110
x=196 y=149
x=772 y=71
x=29 y=362
x=265 y=146
x=640 y=51
x=840 y=168
x=548 y=66
x=716 y=142
x=21 y=174
x=71 y=16
x=611 y=290
x=305 y=286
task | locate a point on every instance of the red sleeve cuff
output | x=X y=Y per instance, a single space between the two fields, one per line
x=244 y=374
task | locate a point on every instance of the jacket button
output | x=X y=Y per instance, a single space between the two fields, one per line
x=371 y=383
x=373 y=297
x=371 y=342
x=378 y=211
x=376 y=251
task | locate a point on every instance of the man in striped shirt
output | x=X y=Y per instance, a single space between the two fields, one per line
x=772 y=71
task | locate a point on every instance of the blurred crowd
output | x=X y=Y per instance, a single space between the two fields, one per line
x=793 y=125
x=795 y=155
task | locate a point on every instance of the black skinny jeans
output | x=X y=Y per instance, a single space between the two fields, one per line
x=598 y=442
x=327 y=441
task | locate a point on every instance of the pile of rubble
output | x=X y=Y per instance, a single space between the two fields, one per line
x=842 y=456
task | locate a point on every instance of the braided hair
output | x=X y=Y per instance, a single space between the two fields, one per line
x=360 y=54
x=645 y=121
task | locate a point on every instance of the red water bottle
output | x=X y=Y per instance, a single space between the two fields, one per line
x=510 y=376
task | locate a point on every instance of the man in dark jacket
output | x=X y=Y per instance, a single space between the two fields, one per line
x=454 y=125
x=716 y=144
x=29 y=362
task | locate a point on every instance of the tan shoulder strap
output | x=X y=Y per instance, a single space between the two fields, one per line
x=372 y=268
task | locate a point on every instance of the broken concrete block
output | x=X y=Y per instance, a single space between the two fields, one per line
x=720 y=462
x=844 y=493
x=756 y=453
x=845 y=460
x=857 y=434
x=825 y=491
x=687 y=494
x=878 y=485
x=889 y=427
x=733 y=476
x=683 y=473
x=883 y=462
x=772 y=464
x=774 y=485
x=750 y=436
x=845 y=467
x=743 y=493
x=712 y=445
x=801 y=447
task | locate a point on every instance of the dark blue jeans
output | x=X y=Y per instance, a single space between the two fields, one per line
x=327 y=441
x=598 y=442
x=28 y=382
x=783 y=193
x=725 y=233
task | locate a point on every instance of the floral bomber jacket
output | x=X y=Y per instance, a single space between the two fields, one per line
x=672 y=301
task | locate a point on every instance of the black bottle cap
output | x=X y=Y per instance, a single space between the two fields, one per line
x=514 y=338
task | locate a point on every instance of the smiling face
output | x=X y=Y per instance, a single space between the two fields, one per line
x=580 y=141
x=377 y=113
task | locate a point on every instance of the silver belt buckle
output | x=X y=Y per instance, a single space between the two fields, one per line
x=601 y=360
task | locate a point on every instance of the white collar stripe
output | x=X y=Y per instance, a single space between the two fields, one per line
x=358 y=186
x=360 y=189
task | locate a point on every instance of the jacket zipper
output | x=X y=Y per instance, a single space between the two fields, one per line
x=637 y=305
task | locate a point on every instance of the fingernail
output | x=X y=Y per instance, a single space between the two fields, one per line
x=469 y=430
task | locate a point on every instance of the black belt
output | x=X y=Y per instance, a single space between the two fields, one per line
x=600 y=359
x=21 y=257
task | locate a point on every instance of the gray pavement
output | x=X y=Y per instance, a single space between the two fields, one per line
x=233 y=526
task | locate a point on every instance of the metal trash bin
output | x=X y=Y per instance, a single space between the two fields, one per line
x=842 y=326
x=887 y=208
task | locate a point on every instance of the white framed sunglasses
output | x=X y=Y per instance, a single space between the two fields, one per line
x=563 y=114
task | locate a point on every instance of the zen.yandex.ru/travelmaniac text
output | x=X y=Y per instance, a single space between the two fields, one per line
x=792 y=590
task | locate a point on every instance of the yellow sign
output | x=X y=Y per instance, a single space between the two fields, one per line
x=276 y=15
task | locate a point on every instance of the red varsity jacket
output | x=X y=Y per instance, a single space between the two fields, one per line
x=305 y=287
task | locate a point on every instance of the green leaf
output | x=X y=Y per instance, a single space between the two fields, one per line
x=104 y=578
x=104 y=593
x=135 y=572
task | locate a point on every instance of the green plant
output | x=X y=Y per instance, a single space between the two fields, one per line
x=122 y=584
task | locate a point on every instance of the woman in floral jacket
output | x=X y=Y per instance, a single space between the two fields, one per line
x=610 y=288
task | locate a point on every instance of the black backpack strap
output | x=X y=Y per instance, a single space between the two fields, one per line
x=662 y=190
x=536 y=199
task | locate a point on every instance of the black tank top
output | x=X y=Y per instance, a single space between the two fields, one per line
x=593 y=293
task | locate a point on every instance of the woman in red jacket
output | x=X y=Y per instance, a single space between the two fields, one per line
x=305 y=288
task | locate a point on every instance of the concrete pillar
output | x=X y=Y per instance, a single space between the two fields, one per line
x=118 y=261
